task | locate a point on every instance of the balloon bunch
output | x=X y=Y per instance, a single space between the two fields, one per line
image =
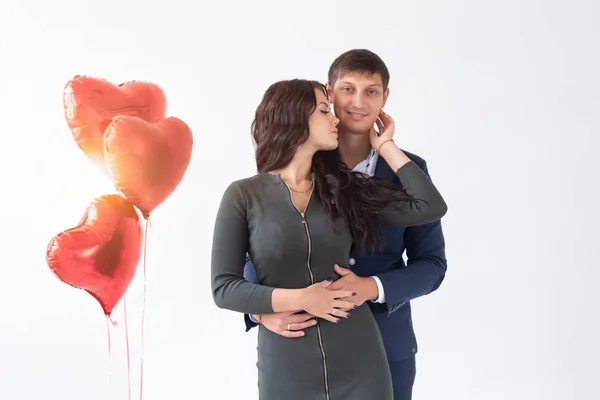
x=124 y=131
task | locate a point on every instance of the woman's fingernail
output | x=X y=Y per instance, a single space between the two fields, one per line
x=330 y=279
x=355 y=306
x=353 y=293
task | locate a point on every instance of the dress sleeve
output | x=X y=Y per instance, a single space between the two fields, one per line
x=425 y=203
x=230 y=244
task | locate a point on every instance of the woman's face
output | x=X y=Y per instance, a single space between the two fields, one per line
x=323 y=134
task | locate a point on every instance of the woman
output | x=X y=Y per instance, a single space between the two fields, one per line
x=298 y=217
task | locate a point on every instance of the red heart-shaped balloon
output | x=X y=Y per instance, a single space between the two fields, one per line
x=90 y=104
x=101 y=254
x=147 y=161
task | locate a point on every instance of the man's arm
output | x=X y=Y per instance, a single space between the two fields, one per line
x=250 y=276
x=425 y=269
x=291 y=325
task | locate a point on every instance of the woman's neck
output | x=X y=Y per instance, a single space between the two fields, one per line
x=299 y=170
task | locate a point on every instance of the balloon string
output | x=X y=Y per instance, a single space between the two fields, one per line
x=143 y=312
x=127 y=345
x=109 y=353
x=109 y=321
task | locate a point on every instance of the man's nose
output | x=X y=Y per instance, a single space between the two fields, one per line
x=357 y=100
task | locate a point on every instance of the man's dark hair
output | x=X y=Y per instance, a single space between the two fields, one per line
x=358 y=60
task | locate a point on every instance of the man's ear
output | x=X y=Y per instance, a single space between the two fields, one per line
x=385 y=96
x=329 y=92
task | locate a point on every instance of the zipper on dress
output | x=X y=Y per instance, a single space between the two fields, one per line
x=312 y=281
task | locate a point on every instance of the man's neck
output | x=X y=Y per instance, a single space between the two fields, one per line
x=354 y=148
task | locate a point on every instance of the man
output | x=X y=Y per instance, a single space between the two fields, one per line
x=358 y=89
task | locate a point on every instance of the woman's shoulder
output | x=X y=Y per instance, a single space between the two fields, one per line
x=259 y=179
x=253 y=184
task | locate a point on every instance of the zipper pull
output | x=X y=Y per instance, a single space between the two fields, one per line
x=303 y=219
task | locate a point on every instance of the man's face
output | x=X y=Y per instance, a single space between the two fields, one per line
x=357 y=99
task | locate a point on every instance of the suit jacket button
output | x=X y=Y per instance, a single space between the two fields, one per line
x=352 y=261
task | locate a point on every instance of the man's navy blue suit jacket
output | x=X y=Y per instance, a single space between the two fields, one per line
x=422 y=274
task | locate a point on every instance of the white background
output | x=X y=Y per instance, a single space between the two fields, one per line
x=501 y=98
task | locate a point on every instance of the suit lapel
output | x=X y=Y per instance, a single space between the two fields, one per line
x=383 y=170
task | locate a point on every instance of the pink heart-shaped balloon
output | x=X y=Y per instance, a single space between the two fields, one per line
x=101 y=254
x=90 y=104
x=147 y=161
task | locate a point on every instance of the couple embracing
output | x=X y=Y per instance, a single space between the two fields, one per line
x=310 y=249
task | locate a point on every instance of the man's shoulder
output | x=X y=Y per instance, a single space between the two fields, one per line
x=420 y=161
x=384 y=171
